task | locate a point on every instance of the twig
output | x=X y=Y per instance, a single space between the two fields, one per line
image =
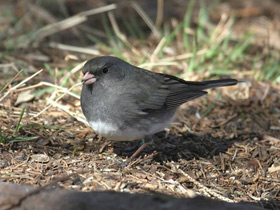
x=12 y=65
x=74 y=48
x=76 y=116
x=10 y=81
x=225 y=122
x=185 y=56
x=160 y=10
x=205 y=189
x=73 y=71
x=99 y=10
x=120 y=35
x=145 y=65
x=54 y=28
x=146 y=18
x=50 y=85
x=42 y=13
x=271 y=139
x=20 y=84
x=222 y=29
x=158 y=48
x=66 y=23
x=66 y=92
x=256 y=198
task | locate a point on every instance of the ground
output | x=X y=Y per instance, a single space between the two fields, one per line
x=225 y=145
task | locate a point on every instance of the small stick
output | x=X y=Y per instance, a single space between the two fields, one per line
x=158 y=48
x=185 y=56
x=160 y=11
x=67 y=92
x=50 y=85
x=20 y=84
x=120 y=35
x=205 y=189
x=11 y=81
x=146 y=18
x=74 y=48
x=66 y=23
x=76 y=116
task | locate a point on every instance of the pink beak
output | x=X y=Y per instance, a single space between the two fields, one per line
x=88 y=79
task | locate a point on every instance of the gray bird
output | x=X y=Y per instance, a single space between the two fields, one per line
x=123 y=102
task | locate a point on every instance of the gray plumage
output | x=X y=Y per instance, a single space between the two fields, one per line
x=124 y=102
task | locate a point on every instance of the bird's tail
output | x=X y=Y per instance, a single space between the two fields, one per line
x=217 y=83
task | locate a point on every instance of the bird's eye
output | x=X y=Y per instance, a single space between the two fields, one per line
x=105 y=70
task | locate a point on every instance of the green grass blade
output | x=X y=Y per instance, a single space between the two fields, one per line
x=42 y=126
x=38 y=93
x=239 y=49
x=49 y=69
x=97 y=41
x=20 y=139
x=193 y=59
x=171 y=37
x=220 y=72
x=2 y=140
x=187 y=22
x=212 y=105
x=19 y=121
x=272 y=70
x=130 y=28
x=202 y=19
x=138 y=30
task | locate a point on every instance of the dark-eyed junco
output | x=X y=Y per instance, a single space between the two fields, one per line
x=123 y=102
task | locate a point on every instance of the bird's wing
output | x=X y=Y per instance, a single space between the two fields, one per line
x=163 y=91
x=149 y=91
x=180 y=91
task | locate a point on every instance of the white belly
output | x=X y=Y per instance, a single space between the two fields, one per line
x=112 y=132
x=102 y=128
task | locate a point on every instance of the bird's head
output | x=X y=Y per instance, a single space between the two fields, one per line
x=105 y=68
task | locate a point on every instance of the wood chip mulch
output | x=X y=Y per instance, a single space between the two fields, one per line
x=224 y=148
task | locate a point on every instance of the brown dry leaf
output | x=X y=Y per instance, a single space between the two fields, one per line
x=273 y=169
x=24 y=96
x=40 y=158
x=239 y=92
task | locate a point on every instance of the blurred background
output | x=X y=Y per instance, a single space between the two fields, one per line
x=228 y=36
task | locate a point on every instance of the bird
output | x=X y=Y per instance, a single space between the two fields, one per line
x=123 y=102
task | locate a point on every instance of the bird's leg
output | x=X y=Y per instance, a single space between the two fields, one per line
x=147 y=140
